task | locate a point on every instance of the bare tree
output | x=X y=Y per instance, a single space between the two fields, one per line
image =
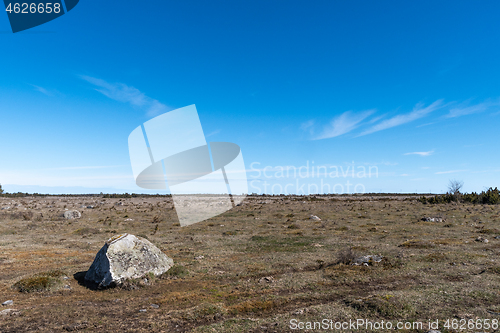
x=454 y=186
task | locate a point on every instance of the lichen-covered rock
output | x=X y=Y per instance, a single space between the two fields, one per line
x=126 y=257
x=433 y=219
x=367 y=260
x=72 y=214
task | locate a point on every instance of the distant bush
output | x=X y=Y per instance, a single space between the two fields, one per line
x=489 y=197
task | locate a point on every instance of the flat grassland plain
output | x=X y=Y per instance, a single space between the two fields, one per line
x=255 y=268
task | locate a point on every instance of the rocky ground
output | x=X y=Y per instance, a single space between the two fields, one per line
x=255 y=268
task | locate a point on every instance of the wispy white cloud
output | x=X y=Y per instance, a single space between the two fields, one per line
x=343 y=124
x=449 y=171
x=87 y=167
x=212 y=133
x=42 y=90
x=418 y=112
x=308 y=126
x=465 y=109
x=127 y=94
x=421 y=153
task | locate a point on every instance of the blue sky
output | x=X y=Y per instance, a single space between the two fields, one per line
x=412 y=89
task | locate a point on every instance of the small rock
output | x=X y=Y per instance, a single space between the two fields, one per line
x=433 y=331
x=367 y=260
x=433 y=219
x=9 y=302
x=5 y=207
x=199 y=257
x=497 y=237
x=90 y=207
x=9 y=312
x=155 y=306
x=266 y=279
x=143 y=310
x=72 y=214
x=315 y=218
x=317 y=245
x=481 y=239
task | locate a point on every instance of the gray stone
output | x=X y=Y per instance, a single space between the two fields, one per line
x=481 y=239
x=9 y=302
x=155 y=306
x=433 y=219
x=315 y=218
x=433 y=331
x=497 y=237
x=126 y=257
x=266 y=279
x=9 y=312
x=366 y=260
x=72 y=214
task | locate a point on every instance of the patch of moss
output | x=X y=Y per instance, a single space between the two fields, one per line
x=176 y=271
x=40 y=282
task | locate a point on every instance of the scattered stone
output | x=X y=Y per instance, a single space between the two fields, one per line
x=433 y=219
x=481 y=239
x=8 y=312
x=493 y=312
x=72 y=214
x=5 y=207
x=199 y=257
x=367 y=260
x=155 y=306
x=90 y=207
x=266 y=279
x=315 y=218
x=143 y=310
x=126 y=257
x=317 y=245
x=9 y=302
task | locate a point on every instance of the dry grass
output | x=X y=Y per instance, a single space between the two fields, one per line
x=253 y=268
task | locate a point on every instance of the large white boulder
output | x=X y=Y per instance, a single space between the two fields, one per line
x=126 y=257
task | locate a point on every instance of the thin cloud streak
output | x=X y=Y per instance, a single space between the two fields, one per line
x=450 y=171
x=421 y=153
x=467 y=110
x=418 y=112
x=343 y=124
x=42 y=90
x=87 y=167
x=122 y=93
